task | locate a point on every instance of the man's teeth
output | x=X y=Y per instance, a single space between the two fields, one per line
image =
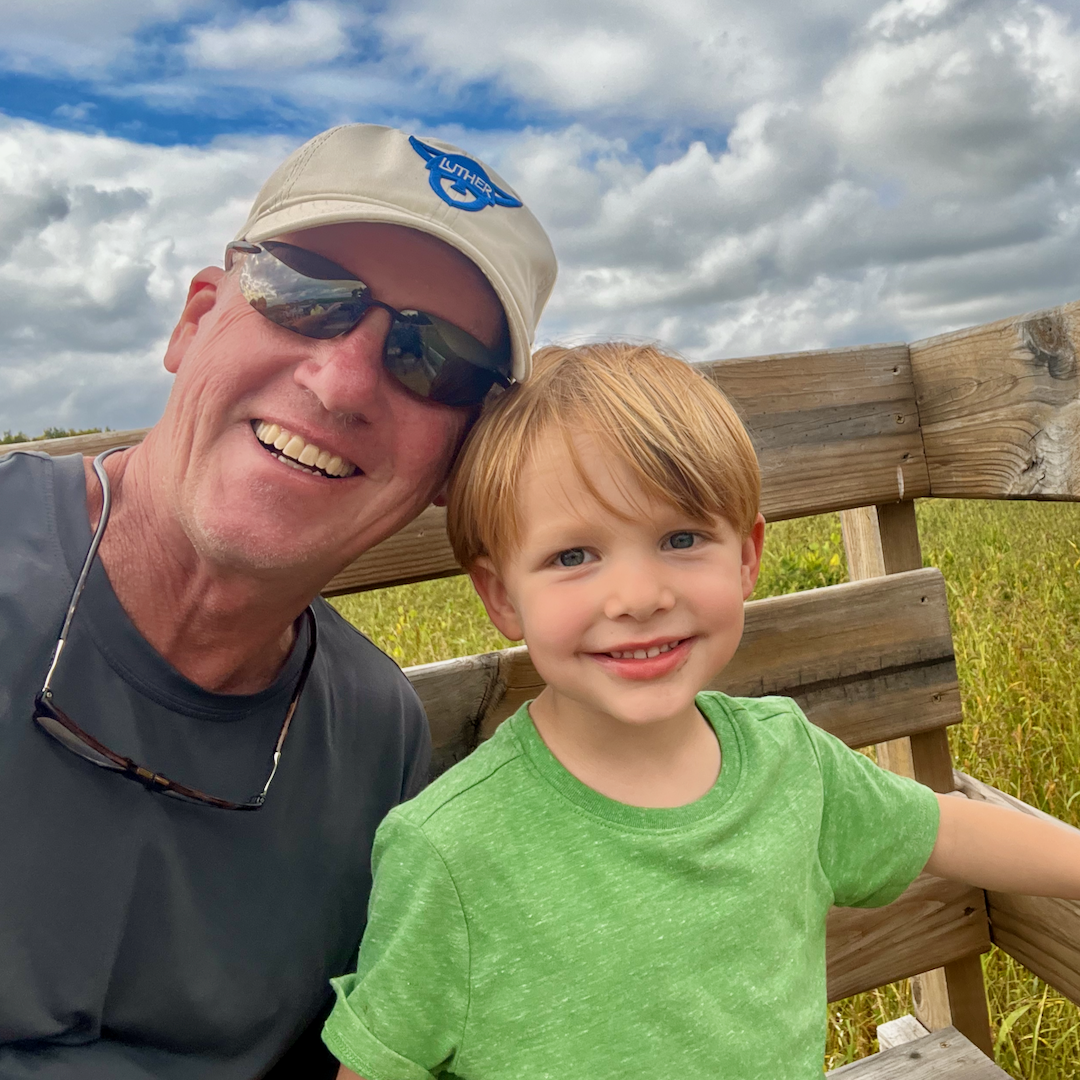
x=294 y=450
x=646 y=654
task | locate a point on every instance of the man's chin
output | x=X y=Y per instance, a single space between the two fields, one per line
x=239 y=547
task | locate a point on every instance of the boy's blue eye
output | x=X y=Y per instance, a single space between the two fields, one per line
x=681 y=540
x=572 y=557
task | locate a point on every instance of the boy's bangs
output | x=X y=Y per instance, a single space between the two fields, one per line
x=674 y=432
x=657 y=473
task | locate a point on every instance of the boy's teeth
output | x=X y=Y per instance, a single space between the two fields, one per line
x=294 y=449
x=645 y=654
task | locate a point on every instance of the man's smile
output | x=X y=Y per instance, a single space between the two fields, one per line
x=296 y=451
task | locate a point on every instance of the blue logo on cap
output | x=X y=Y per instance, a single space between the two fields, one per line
x=450 y=173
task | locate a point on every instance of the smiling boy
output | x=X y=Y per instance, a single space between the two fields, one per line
x=632 y=877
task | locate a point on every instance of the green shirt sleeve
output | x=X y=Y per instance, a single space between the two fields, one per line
x=877 y=828
x=401 y=1015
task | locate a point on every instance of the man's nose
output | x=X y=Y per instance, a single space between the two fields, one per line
x=347 y=373
x=637 y=589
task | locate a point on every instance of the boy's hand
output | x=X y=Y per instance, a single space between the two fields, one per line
x=1005 y=851
x=347 y=1074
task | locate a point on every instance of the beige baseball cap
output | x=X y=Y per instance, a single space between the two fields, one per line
x=364 y=172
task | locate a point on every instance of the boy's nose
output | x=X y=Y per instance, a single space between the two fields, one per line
x=638 y=591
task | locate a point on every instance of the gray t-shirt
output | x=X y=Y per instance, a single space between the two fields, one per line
x=141 y=936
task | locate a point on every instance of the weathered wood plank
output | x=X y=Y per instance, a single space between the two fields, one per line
x=81 y=444
x=1041 y=932
x=944 y=1055
x=419 y=552
x=882 y=540
x=867 y=661
x=903 y=1029
x=1000 y=407
x=934 y=922
x=834 y=429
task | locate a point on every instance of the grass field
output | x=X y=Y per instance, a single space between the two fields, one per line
x=1013 y=574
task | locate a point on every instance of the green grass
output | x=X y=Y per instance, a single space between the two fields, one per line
x=10 y=437
x=1013 y=576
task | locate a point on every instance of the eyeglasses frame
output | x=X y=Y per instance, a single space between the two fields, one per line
x=153 y=781
x=245 y=247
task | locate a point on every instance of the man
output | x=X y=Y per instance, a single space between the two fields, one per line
x=186 y=925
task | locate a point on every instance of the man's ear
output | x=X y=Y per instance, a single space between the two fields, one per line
x=202 y=293
x=751 y=556
x=492 y=591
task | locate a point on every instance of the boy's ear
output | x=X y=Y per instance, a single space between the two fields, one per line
x=751 y=556
x=491 y=590
x=202 y=293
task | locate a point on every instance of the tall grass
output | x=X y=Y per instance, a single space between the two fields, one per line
x=1013 y=577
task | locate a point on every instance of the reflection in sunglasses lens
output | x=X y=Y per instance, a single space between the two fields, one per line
x=312 y=296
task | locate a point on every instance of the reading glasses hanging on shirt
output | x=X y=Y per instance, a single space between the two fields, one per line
x=56 y=723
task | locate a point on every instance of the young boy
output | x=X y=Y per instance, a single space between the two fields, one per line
x=631 y=877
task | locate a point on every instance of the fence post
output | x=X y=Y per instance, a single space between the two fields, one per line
x=881 y=540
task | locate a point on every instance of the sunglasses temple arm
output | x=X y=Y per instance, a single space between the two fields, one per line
x=106 y=507
x=309 y=615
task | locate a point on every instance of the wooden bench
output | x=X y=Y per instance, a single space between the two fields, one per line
x=992 y=412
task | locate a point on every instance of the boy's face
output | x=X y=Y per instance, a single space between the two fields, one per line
x=624 y=617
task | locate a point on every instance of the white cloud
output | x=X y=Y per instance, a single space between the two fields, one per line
x=932 y=182
x=98 y=239
x=864 y=172
x=676 y=59
x=79 y=37
x=965 y=99
x=296 y=34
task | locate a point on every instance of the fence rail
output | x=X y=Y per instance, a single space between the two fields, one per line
x=988 y=412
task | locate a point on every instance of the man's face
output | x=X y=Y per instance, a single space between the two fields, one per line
x=237 y=373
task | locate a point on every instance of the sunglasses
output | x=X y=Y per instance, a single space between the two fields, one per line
x=315 y=297
x=56 y=723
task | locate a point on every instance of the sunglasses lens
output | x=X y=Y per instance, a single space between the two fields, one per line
x=310 y=295
x=70 y=740
x=437 y=360
x=313 y=306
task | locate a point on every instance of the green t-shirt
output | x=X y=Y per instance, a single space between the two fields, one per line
x=522 y=925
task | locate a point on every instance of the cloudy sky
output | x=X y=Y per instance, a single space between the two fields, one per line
x=727 y=177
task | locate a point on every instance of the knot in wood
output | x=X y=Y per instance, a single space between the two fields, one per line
x=1047 y=339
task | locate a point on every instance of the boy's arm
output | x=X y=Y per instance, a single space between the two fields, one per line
x=347 y=1074
x=1005 y=851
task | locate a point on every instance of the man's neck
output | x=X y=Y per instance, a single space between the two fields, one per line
x=227 y=630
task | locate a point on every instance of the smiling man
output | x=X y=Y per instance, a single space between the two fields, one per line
x=195 y=750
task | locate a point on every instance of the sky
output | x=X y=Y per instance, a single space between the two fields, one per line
x=726 y=178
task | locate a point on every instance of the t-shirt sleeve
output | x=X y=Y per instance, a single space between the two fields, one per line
x=877 y=828
x=418 y=760
x=401 y=1015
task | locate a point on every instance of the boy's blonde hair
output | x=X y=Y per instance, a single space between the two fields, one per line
x=666 y=423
